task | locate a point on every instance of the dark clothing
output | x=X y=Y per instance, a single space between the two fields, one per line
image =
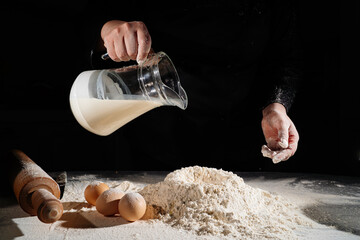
x=233 y=59
x=234 y=40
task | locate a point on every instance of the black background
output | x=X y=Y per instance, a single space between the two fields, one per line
x=45 y=45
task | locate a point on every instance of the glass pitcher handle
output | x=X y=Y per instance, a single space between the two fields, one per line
x=105 y=56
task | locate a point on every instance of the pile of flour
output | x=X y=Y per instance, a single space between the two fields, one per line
x=209 y=201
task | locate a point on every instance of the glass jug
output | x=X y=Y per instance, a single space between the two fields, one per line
x=102 y=101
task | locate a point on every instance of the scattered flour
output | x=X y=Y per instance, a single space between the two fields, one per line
x=208 y=201
x=191 y=203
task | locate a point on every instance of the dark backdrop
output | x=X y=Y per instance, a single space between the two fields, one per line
x=44 y=46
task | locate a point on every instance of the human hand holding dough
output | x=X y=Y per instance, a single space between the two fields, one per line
x=280 y=133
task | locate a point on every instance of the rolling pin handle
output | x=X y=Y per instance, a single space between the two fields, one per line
x=49 y=209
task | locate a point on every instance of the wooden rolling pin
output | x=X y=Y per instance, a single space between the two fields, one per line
x=37 y=193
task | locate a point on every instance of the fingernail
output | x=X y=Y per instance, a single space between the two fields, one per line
x=140 y=60
x=277 y=158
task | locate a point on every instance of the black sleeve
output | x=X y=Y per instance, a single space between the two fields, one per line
x=283 y=60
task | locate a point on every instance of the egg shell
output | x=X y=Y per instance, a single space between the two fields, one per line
x=132 y=206
x=108 y=202
x=94 y=190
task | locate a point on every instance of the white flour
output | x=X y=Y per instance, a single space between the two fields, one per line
x=208 y=201
x=244 y=212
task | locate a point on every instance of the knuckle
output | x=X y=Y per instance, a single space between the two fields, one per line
x=116 y=31
x=132 y=54
x=140 y=24
x=127 y=26
x=113 y=57
x=122 y=55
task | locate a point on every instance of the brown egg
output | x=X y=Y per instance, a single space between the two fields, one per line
x=108 y=202
x=132 y=206
x=93 y=191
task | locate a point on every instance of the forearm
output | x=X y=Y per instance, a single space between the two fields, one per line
x=283 y=92
x=283 y=62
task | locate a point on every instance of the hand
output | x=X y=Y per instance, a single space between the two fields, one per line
x=126 y=40
x=280 y=133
